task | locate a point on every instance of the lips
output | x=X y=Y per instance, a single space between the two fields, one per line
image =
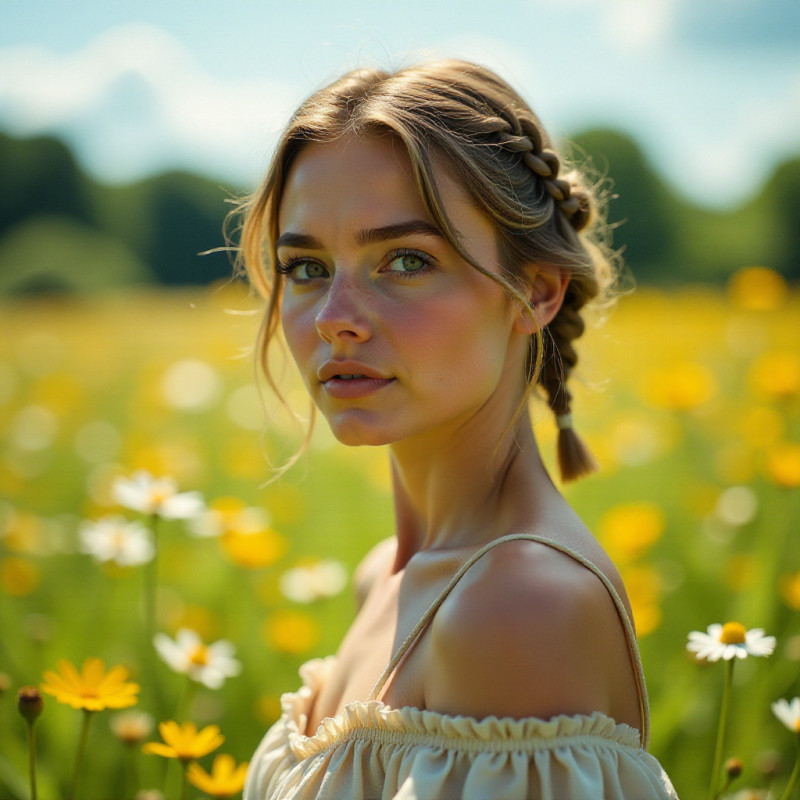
x=348 y=370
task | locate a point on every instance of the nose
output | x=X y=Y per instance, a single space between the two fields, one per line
x=343 y=315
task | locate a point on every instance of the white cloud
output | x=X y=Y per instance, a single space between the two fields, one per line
x=639 y=26
x=134 y=100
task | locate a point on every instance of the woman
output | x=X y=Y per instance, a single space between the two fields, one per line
x=427 y=262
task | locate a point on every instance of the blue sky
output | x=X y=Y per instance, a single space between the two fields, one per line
x=711 y=88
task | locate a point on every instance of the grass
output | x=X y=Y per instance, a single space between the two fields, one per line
x=680 y=402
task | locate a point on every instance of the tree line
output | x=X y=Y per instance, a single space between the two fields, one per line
x=61 y=231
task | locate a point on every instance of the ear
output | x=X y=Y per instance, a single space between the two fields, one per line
x=547 y=289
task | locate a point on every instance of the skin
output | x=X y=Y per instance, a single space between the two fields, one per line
x=452 y=348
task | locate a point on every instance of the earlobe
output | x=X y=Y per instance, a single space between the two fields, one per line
x=547 y=290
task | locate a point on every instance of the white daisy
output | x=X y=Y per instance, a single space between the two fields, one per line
x=188 y=655
x=305 y=584
x=729 y=641
x=115 y=539
x=788 y=712
x=149 y=495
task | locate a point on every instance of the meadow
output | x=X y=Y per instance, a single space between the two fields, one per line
x=689 y=398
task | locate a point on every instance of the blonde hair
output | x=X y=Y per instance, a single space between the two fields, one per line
x=466 y=117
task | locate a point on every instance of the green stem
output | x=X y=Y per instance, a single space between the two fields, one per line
x=84 y=738
x=713 y=789
x=32 y=757
x=185 y=782
x=151 y=586
x=185 y=703
x=793 y=777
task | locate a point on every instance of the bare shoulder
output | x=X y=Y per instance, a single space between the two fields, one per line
x=372 y=566
x=526 y=632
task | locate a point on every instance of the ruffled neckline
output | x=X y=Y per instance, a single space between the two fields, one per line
x=409 y=724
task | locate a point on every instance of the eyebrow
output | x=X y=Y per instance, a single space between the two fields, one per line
x=364 y=237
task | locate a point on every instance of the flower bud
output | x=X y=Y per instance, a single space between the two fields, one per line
x=733 y=768
x=30 y=703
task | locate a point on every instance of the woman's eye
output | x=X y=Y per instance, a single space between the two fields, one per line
x=408 y=262
x=300 y=270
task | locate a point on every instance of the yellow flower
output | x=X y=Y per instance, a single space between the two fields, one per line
x=18 y=577
x=783 y=465
x=777 y=375
x=627 y=531
x=790 y=589
x=757 y=289
x=92 y=689
x=225 y=780
x=680 y=387
x=184 y=742
x=291 y=632
x=253 y=550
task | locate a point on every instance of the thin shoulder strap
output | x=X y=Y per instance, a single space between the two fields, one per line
x=630 y=636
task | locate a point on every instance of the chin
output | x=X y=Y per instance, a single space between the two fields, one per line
x=355 y=432
x=353 y=437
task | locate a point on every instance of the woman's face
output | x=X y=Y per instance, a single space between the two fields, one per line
x=394 y=334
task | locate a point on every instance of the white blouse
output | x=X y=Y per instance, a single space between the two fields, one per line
x=371 y=751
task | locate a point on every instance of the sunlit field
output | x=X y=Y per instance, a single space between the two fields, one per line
x=690 y=400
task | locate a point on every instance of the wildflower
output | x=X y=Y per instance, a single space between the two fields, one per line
x=733 y=768
x=185 y=742
x=30 y=703
x=93 y=689
x=783 y=465
x=790 y=589
x=228 y=514
x=253 y=549
x=131 y=727
x=303 y=584
x=18 y=576
x=757 y=289
x=225 y=780
x=115 y=539
x=291 y=632
x=629 y=530
x=157 y=496
x=777 y=374
x=190 y=385
x=188 y=655
x=788 y=712
x=680 y=387
x=729 y=641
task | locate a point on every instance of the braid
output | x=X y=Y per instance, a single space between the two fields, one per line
x=559 y=357
x=527 y=140
x=574 y=458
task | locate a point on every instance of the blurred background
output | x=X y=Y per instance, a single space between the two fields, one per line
x=126 y=125
x=126 y=129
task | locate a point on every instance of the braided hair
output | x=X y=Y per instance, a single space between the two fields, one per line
x=464 y=116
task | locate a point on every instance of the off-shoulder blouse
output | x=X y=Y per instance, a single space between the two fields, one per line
x=373 y=752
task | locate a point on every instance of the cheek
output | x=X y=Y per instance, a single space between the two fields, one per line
x=298 y=330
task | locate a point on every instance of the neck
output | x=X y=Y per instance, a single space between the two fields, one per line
x=466 y=488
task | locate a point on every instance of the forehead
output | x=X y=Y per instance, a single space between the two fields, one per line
x=370 y=179
x=349 y=174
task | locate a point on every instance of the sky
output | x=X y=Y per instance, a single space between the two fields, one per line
x=710 y=88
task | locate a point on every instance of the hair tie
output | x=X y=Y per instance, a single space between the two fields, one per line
x=564 y=421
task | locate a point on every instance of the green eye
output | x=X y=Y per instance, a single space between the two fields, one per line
x=408 y=262
x=308 y=270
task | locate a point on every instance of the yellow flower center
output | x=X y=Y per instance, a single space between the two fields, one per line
x=200 y=656
x=158 y=496
x=732 y=633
